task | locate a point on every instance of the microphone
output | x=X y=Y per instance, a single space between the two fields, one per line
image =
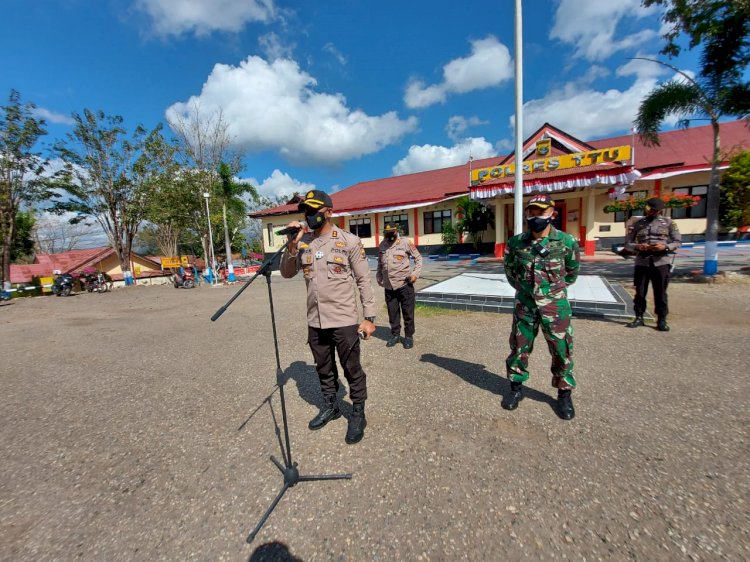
x=288 y=230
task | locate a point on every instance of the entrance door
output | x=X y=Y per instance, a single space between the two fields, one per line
x=559 y=221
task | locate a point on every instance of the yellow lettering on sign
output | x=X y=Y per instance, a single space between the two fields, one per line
x=166 y=263
x=562 y=162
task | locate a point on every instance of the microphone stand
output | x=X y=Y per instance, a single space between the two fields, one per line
x=289 y=469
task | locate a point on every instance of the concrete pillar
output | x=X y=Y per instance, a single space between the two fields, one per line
x=500 y=227
x=589 y=244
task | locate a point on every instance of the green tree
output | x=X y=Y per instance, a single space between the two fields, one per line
x=22 y=250
x=203 y=143
x=24 y=177
x=735 y=192
x=449 y=236
x=721 y=29
x=475 y=218
x=231 y=193
x=110 y=173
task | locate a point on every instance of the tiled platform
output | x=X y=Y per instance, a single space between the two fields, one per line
x=591 y=295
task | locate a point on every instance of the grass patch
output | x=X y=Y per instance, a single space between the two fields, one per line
x=427 y=310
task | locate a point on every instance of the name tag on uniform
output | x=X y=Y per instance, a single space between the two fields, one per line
x=319 y=255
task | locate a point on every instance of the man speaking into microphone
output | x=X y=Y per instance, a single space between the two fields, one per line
x=332 y=260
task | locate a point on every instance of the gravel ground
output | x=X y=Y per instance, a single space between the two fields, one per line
x=132 y=427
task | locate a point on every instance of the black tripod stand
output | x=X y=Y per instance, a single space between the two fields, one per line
x=288 y=469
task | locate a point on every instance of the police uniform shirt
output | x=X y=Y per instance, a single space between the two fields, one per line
x=394 y=267
x=331 y=264
x=660 y=230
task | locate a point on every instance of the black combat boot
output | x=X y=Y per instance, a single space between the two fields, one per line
x=510 y=401
x=357 y=424
x=635 y=323
x=329 y=411
x=565 y=407
x=393 y=341
x=408 y=342
x=661 y=324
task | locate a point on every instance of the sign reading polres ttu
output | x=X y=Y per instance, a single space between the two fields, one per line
x=561 y=162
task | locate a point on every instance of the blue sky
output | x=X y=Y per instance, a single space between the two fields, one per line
x=334 y=92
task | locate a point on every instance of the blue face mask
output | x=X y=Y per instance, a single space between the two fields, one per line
x=538 y=224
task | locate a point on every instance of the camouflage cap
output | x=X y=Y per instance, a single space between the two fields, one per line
x=541 y=200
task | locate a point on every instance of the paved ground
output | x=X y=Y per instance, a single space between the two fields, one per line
x=131 y=427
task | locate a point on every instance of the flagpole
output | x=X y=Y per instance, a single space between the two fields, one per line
x=518 y=185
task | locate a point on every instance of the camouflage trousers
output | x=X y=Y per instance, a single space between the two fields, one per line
x=554 y=316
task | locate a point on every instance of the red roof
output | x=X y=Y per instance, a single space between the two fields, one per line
x=682 y=148
x=73 y=261
x=679 y=148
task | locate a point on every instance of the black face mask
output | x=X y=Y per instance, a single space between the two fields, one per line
x=651 y=216
x=316 y=220
x=390 y=237
x=538 y=224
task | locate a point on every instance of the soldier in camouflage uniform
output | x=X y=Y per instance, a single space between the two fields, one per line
x=540 y=264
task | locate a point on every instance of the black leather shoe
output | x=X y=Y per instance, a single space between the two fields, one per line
x=408 y=342
x=393 y=341
x=511 y=400
x=662 y=325
x=635 y=323
x=357 y=424
x=330 y=411
x=565 y=407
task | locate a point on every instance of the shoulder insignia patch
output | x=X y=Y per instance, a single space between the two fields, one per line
x=335 y=234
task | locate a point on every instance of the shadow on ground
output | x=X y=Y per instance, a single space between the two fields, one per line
x=479 y=376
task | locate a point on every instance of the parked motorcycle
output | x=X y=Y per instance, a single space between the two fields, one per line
x=185 y=280
x=63 y=285
x=96 y=282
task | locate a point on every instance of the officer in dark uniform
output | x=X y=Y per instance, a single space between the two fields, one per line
x=652 y=239
x=333 y=261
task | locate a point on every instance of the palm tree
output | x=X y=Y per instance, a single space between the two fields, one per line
x=231 y=195
x=719 y=91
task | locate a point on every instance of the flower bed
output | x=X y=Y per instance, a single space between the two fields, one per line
x=672 y=200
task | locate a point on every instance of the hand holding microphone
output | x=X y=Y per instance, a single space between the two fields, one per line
x=294 y=231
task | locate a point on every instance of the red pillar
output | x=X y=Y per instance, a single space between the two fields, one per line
x=342 y=222
x=377 y=229
x=657 y=188
x=499 y=249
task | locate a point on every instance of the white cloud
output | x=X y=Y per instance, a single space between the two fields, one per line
x=175 y=17
x=52 y=116
x=275 y=107
x=331 y=49
x=591 y=26
x=431 y=157
x=274 y=48
x=589 y=113
x=458 y=125
x=280 y=184
x=489 y=64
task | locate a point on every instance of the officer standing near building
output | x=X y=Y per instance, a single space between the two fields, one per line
x=540 y=264
x=653 y=239
x=396 y=276
x=333 y=261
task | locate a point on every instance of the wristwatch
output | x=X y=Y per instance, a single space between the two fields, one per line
x=370 y=319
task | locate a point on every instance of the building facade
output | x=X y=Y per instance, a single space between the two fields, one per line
x=582 y=177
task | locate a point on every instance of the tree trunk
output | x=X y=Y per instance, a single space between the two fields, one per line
x=7 y=245
x=228 y=246
x=711 y=258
